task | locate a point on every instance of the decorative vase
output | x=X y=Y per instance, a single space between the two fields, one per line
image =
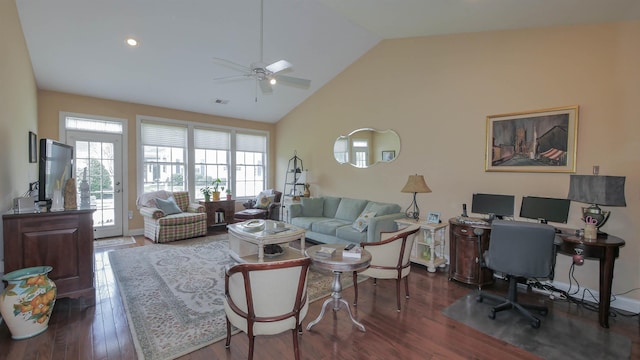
x=27 y=302
x=228 y=196
x=57 y=203
x=207 y=197
x=216 y=195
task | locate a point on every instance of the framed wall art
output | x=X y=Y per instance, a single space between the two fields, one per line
x=433 y=217
x=33 y=147
x=533 y=141
x=388 y=155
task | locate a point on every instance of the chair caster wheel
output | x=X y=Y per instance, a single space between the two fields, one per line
x=492 y=315
x=535 y=324
x=479 y=298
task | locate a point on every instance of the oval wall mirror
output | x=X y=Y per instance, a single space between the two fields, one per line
x=366 y=147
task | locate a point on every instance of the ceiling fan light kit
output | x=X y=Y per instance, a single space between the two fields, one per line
x=264 y=75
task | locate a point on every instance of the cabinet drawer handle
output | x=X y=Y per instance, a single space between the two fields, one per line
x=463 y=231
x=477 y=260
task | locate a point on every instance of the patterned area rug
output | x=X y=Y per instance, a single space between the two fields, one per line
x=558 y=337
x=173 y=294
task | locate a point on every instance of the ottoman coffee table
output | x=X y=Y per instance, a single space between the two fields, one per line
x=247 y=243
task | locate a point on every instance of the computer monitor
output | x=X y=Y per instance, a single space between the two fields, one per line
x=498 y=205
x=545 y=209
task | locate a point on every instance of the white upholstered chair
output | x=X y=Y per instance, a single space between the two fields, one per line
x=267 y=299
x=390 y=259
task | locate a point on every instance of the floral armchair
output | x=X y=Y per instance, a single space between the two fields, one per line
x=169 y=216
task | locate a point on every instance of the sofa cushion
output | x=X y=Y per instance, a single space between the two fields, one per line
x=349 y=209
x=329 y=226
x=182 y=219
x=362 y=221
x=350 y=234
x=312 y=207
x=169 y=206
x=306 y=222
x=264 y=201
x=382 y=208
x=182 y=199
x=330 y=206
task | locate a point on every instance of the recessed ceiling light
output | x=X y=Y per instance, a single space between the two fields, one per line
x=132 y=42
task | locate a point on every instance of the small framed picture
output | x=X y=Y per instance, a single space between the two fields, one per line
x=33 y=147
x=388 y=155
x=433 y=217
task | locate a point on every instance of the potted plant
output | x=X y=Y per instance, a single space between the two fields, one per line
x=228 y=193
x=206 y=191
x=216 y=185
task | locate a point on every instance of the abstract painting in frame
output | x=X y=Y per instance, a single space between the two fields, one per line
x=533 y=141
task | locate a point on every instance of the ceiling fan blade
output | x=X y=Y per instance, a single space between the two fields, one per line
x=293 y=81
x=231 y=64
x=265 y=86
x=278 y=66
x=233 y=77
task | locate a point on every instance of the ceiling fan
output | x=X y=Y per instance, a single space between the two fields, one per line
x=264 y=74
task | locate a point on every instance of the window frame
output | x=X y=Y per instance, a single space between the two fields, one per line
x=190 y=164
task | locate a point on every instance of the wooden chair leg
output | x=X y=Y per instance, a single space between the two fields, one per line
x=355 y=288
x=227 y=344
x=398 y=292
x=406 y=286
x=296 y=349
x=251 y=343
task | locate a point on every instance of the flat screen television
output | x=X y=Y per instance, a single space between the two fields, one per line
x=55 y=168
x=498 y=205
x=545 y=209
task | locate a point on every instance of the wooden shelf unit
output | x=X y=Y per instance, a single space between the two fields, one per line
x=428 y=249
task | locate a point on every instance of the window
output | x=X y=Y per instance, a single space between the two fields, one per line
x=179 y=155
x=251 y=154
x=164 y=149
x=211 y=157
x=360 y=150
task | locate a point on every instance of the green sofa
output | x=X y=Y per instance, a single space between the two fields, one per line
x=335 y=220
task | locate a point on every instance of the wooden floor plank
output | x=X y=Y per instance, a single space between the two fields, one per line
x=419 y=331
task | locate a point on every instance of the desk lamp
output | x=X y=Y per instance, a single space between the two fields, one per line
x=597 y=190
x=415 y=184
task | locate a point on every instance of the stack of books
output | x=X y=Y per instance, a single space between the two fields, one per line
x=325 y=251
x=355 y=252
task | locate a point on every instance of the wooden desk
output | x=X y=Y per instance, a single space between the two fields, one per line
x=604 y=249
x=465 y=267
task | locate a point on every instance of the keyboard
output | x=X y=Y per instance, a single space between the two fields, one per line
x=472 y=221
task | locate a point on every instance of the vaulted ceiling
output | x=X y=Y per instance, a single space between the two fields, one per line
x=78 y=46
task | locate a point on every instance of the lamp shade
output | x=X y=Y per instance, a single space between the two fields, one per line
x=416 y=184
x=599 y=190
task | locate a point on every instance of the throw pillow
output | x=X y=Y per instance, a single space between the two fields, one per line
x=312 y=207
x=362 y=222
x=264 y=201
x=168 y=206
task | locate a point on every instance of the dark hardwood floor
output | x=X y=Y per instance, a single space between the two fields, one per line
x=419 y=331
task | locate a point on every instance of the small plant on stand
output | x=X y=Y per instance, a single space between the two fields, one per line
x=216 y=185
x=228 y=193
x=206 y=191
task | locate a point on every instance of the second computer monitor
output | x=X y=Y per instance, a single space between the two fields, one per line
x=498 y=205
x=545 y=209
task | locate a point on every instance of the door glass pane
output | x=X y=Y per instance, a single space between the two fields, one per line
x=95 y=161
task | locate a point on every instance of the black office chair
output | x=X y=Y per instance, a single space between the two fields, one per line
x=519 y=250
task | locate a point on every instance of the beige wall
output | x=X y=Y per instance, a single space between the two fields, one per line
x=51 y=103
x=18 y=111
x=436 y=93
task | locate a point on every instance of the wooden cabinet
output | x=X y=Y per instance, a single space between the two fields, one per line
x=464 y=262
x=62 y=240
x=219 y=212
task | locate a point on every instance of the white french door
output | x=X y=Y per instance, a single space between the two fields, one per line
x=98 y=159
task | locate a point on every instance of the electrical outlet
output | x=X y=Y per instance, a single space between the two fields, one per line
x=130 y=214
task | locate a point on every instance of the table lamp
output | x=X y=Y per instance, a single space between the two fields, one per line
x=597 y=190
x=415 y=184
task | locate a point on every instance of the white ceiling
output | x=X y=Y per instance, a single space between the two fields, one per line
x=78 y=46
